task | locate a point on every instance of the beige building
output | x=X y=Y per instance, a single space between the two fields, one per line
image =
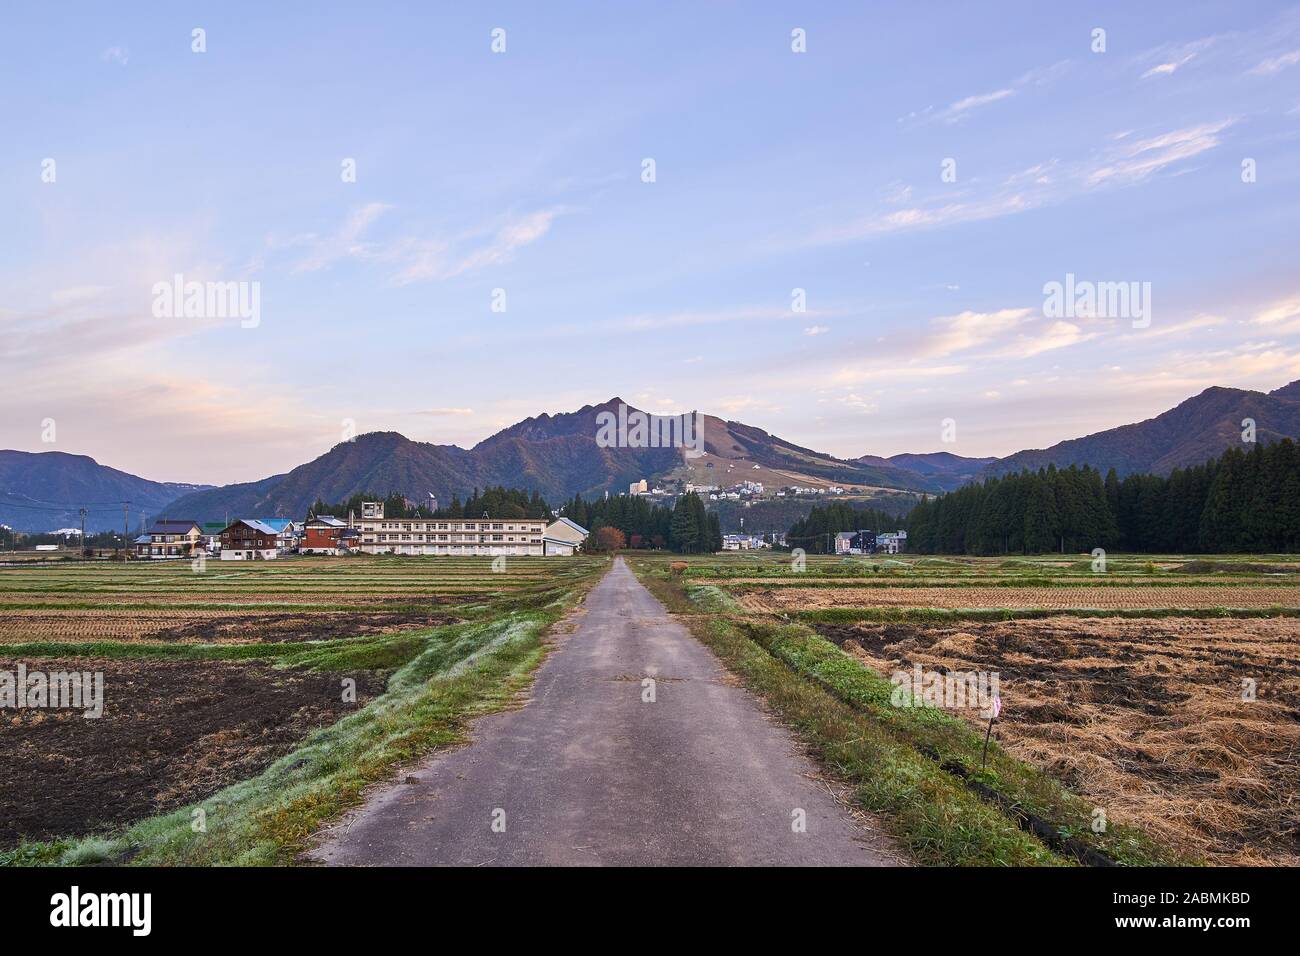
x=563 y=537
x=463 y=536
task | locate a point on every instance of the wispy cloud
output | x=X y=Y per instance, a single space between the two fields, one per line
x=1138 y=161
x=1006 y=333
x=1280 y=316
x=958 y=110
x=423 y=260
x=414 y=259
x=1057 y=335
x=1177 y=328
x=116 y=54
x=1124 y=163
x=957 y=333
x=1171 y=57
x=345 y=242
x=1276 y=64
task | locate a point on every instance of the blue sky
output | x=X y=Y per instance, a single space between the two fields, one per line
x=522 y=171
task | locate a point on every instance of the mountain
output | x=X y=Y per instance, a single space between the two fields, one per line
x=1200 y=428
x=555 y=454
x=558 y=455
x=942 y=468
x=41 y=491
x=781 y=462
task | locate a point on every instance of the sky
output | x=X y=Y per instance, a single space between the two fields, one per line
x=645 y=188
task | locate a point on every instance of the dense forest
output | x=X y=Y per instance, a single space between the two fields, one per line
x=494 y=502
x=816 y=533
x=1243 y=501
x=686 y=528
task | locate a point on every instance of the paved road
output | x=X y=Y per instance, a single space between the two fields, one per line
x=589 y=773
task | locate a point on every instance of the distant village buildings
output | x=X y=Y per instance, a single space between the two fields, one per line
x=868 y=542
x=372 y=532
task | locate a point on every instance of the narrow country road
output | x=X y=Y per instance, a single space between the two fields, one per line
x=588 y=773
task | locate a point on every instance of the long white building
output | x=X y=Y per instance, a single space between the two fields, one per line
x=464 y=536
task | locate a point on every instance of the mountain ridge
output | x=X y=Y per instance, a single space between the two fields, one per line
x=1192 y=432
x=557 y=455
x=46 y=489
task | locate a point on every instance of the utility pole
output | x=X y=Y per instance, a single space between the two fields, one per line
x=83 y=531
x=126 y=527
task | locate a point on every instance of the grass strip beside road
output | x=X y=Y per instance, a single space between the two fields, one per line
x=894 y=757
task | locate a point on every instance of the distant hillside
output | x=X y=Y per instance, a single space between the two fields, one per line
x=1190 y=434
x=43 y=491
x=555 y=454
x=735 y=441
x=942 y=468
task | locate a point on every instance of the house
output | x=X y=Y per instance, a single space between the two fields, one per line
x=638 y=487
x=489 y=536
x=563 y=536
x=286 y=534
x=249 y=539
x=855 y=542
x=891 y=542
x=212 y=535
x=322 y=534
x=170 y=539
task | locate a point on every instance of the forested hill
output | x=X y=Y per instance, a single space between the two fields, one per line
x=1242 y=501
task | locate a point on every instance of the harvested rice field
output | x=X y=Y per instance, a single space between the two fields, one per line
x=1145 y=718
x=210 y=675
x=1061 y=598
x=1164 y=691
x=184 y=625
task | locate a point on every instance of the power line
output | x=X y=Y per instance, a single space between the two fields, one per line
x=65 y=508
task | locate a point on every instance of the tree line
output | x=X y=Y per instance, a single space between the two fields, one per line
x=1242 y=501
x=499 y=502
x=685 y=528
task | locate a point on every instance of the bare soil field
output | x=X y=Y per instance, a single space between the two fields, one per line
x=1146 y=718
x=172 y=733
x=1053 y=598
x=911 y=580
